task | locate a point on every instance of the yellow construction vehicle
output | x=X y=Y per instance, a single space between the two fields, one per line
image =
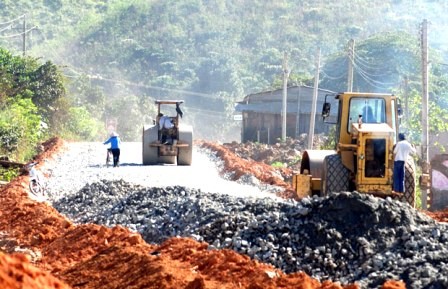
x=366 y=132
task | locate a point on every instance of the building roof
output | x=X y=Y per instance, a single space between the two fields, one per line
x=304 y=92
x=271 y=101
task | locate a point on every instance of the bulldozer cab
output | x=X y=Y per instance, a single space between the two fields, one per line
x=362 y=108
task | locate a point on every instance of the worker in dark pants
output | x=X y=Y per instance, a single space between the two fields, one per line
x=401 y=153
x=115 y=143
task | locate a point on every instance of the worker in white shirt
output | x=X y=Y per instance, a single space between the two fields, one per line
x=401 y=153
x=165 y=124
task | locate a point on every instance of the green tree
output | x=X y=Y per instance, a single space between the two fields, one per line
x=47 y=85
x=25 y=78
x=83 y=93
x=81 y=126
x=20 y=129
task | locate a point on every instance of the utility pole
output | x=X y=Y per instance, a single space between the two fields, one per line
x=24 y=35
x=285 y=94
x=425 y=98
x=299 y=98
x=406 y=101
x=351 y=59
x=23 y=32
x=314 y=103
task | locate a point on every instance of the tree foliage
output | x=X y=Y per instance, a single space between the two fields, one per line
x=34 y=105
x=20 y=129
x=81 y=126
x=47 y=85
x=220 y=50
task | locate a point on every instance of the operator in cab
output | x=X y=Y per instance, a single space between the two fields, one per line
x=165 y=124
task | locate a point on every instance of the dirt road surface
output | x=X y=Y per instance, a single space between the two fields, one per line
x=85 y=162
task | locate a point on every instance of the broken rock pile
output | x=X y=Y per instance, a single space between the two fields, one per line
x=345 y=237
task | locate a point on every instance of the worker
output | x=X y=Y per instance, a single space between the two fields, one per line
x=165 y=124
x=165 y=121
x=402 y=151
x=115 y=143
x=368 y=116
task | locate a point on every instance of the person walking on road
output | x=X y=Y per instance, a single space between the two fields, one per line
x=401 y=153
x=115 y=143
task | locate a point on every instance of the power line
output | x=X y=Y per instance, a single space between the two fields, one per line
x=213 y=113
x=366 y=64
x=6 y=28
x=22 y=34
x=56 y=54
x=13 y=20
x=75 y=71
x=342 y=75
x=18 y=34
x=130 y=83
x=363 y=72
x=373 y=82
x=99 y=77
x=368 y=76
x=359 y=64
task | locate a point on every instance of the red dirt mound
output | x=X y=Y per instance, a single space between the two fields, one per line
x=239 y=167
x=16 y=271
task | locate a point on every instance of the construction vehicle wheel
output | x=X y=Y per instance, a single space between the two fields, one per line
x=335 y=176
x=409 y=183
x=185 y=154
x=150 y=154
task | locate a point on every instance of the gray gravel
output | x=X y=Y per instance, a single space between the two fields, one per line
x=84 y=163
x=345 y=237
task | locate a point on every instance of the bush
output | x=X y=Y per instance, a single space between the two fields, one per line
x=8 y=174
x=20 y=129
x=80 y=125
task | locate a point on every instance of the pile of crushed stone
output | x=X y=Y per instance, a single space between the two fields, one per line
x=347 y=237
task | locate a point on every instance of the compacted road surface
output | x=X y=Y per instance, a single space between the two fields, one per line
x=84 y=163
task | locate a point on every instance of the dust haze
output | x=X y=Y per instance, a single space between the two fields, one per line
x=209 y=112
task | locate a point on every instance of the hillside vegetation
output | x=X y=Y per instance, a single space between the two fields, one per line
x=118 y=56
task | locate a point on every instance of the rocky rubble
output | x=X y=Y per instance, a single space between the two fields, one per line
x=345 y=237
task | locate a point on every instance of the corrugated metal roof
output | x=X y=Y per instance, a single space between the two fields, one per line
x=305 y=93
x=271 y=101
x=275 y=107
